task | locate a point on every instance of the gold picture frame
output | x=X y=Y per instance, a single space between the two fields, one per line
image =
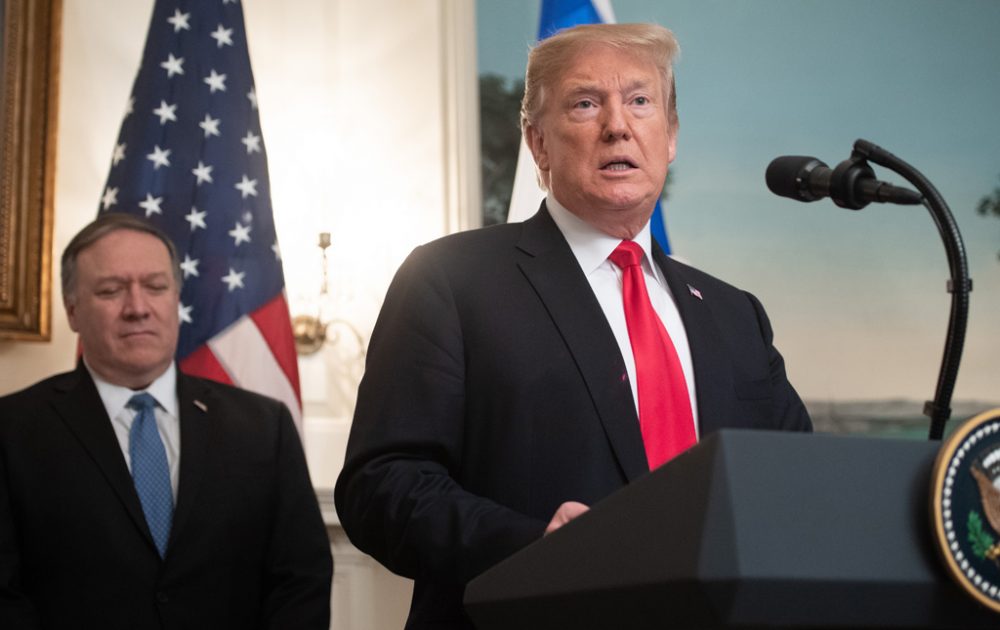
x=29 y=40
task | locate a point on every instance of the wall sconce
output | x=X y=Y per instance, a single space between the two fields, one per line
x=312 y=331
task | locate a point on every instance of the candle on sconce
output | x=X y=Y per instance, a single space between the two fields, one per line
x=312 y=331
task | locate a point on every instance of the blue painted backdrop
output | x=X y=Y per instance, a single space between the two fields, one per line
x=857 y=299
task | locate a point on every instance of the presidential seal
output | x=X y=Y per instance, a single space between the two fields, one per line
x=965 y=506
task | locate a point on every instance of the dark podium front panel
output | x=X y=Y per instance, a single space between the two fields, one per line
x=748 y=529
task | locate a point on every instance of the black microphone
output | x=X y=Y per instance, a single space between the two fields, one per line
x=851 y=185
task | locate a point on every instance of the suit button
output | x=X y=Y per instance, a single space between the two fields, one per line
x=161 y=597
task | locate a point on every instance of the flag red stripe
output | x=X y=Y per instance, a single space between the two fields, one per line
x=275 y=325
x=202 y=362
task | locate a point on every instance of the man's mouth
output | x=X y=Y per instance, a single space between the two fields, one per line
x=138 y=333
x=618 y=165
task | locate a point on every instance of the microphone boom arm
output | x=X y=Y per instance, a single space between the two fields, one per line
x=959 y=286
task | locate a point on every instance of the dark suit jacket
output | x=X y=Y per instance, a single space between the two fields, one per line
x=248 y=548
x=495 y=391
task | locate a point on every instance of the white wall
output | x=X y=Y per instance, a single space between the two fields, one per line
x=369 y=118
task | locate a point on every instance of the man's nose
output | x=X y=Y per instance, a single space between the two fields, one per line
x=136 y=305
x=616 y=126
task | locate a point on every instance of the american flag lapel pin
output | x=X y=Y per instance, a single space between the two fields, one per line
x=695 y=292
x=201 y=405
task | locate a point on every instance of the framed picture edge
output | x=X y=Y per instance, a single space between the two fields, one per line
x=31 y=39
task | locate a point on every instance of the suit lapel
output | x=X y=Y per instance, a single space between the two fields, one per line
x=195 y=405
x=79 y=406
x=713 y=383
x=556 y=276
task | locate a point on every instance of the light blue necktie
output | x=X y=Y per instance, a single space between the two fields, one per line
x=150 y=470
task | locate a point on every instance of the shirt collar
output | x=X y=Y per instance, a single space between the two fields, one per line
x=590 y=245
x=115 y=397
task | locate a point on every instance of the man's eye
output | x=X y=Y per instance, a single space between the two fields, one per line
x=641 y=100
x=108 y=292
x=584 y=104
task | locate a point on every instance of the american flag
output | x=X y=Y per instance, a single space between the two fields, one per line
x=190 y=158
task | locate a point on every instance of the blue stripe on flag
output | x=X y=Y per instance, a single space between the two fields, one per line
x=560 y=14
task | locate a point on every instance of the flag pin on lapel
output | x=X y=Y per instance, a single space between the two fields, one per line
x=695 y=292
x=201 y=405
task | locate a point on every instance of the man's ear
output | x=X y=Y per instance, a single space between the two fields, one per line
x=536 y=143
x=71 y=314
x=672 y=145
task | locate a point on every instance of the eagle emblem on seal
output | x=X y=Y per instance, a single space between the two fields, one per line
x=985 y=469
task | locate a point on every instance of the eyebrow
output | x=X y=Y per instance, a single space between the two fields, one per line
x=592 y=87
x=125 y=280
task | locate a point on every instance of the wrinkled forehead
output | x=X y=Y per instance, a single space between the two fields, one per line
x=602 y=67
x=615 y=70
x=591 y=53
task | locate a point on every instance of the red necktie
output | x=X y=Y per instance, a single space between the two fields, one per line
x=664 y=406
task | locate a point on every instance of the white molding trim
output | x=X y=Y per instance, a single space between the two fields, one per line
x=462 y=176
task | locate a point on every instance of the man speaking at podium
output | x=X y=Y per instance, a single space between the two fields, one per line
x=518 y=374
